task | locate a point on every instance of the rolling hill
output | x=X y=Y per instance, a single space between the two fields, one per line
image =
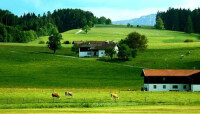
x=32 y=65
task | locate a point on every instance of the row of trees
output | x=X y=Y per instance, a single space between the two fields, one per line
x=104 y=20
x=60 y=20
x=11 y=34
x=179 y=20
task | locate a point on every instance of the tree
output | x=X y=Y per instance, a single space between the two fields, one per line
x=102 y=20
x=128 y=25
x=124 y=52
x=110 y=52
x=108 y=21
x=189 y=25
x=135 y=41
x=86 y=29
x=75 y=48
x=54 y=42
x=159 y=24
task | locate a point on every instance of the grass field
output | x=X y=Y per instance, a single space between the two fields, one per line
x=157 y=39
x=111 y=110
x=41 y=98
x=29 y=73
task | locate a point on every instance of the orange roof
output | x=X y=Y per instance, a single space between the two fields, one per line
x=153 y=72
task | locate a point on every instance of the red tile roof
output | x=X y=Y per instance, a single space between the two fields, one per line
x=153 y=72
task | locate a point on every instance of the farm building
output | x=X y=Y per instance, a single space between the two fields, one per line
x=171 y=80
x=94 y=48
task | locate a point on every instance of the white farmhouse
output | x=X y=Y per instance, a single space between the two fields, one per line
x=94 y=48
x=171 y=80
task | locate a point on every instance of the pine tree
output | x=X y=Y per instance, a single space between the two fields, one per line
x=159 y=24
x=189 y=25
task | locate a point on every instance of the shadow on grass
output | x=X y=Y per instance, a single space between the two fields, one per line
x=115 y=60
x=193 y=65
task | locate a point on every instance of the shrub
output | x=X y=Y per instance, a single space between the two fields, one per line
x=66 y=42
x=41 y=42
x=188 y=40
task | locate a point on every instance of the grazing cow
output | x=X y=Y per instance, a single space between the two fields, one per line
x=55 y=95
x=69 y=93
x=114 y=96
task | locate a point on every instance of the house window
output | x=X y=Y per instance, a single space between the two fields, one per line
x=89 y=53
x=164 y=78
x=175 y=86
x=184 y=87
x=154 y=86
x=102 y=53
x=164 y=86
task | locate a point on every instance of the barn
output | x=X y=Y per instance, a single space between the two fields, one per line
x=94 y=48
x=171 y=80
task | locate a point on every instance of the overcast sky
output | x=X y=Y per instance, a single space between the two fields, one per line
x=114 y=9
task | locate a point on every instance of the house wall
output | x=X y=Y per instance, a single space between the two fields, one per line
x=86 y=54
x=195 y=87
x=101 y=53
x=116 y=49
x=169 y=87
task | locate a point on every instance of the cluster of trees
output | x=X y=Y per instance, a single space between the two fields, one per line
x=179 y=20
x=42 y=25
x=129 y=46
x=129 y=25
x=104 y=20
x=12 y=34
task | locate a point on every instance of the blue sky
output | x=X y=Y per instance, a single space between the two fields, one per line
x=114 y=9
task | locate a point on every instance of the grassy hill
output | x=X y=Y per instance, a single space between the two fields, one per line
x=32 y=65
x=29 y=72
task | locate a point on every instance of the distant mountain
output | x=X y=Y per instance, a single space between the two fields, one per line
x=144 y=20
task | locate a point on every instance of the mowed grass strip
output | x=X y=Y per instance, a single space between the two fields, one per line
x=12 y=98
x=129 y=109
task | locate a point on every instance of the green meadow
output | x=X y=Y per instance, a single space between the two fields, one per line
x=108 y=110
x=30 y=72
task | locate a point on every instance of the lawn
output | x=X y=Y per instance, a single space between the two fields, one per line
x=111 y=110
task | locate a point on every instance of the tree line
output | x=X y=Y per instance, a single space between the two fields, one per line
x=183 y=20
x=17 y=28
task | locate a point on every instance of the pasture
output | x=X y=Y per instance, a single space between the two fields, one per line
x=30 y=73
x=158 y=39
x=14 y=98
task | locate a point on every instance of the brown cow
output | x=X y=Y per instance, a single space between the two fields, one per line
x=69 y=93
x=114 y=96
x=55 y=95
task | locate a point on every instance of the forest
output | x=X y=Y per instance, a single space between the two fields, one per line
x=30 y=26
x=183 y=20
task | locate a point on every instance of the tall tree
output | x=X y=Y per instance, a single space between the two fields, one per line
x=102 y=20
x=54 y=42
x=135 y=41
x=110 y=52
x=124 y=52
x=159 y=24
x=189 y=25
x=86 y=28
x=108 y=21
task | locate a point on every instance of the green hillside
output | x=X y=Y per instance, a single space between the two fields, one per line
x=157 y=39
x=33 y=65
